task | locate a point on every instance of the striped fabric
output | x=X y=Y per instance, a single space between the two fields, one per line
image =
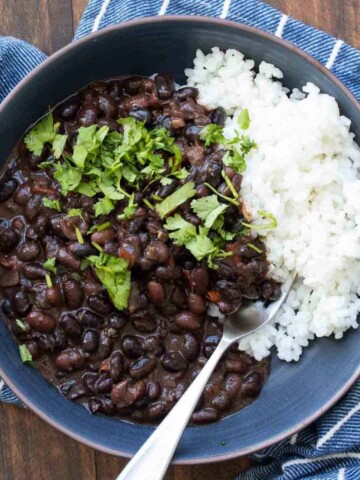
x=330 y=448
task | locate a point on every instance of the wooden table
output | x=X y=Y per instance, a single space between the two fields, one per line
x=29 y=448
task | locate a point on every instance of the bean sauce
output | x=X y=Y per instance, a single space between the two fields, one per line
x=136 y=362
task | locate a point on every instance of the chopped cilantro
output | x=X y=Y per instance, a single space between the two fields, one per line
x=148 y=204
x=182 y=230
x=129 y=211
x=254 y=247
x=43 y=132
x=208 y=209
x=99 y=227
x=25 y=355
x=212 y=133
x=233 y=159
x=75 y=212
x=21 y=325
x=68 y=177
x=50 y=265
x=265 y=226
x=115 y=276
x=231 y=200
x=166 y=181
x=48 y=281
x=59 y=145
x=229 y=184
x=103 y=206
x=244 y=119
x=53 y=204
x=171 y=202
x=79 y=236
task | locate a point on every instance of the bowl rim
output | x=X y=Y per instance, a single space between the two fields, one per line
x=268 y=37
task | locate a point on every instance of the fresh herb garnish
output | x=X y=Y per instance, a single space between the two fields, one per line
x=53 y=204
x=48 y=281
x=244 y=119
x=103 y=206
x=229 y=184
x=25 y=355
x=228 y=199
x=79 y=236
x=129 y=211
x=265 y=226
x=75 y=212
x=254 y=247
x=177 y=198
x=44 y=132
x=208 y=209
x=114 y=275
x=148 y=204
x=212 y=133
x=20 y=324
x=50 y=265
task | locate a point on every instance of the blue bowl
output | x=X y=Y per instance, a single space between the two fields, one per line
x=295 y=394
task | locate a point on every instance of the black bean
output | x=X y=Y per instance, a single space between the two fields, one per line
x=205 y=415
x=116 y=365
x=116 y=320
x=107 y=105
x=156 y=292
x=70 y=325
x=191 y=347
x=125 y=393
x=34 y=349
x=104 y=236
x=153 y=390
x=73 y=292
x=89 y=319
x=103 y=384
x=188 y=320
x=102 y=405
x=28 y=251
x=168 y=273
x=174 y=362
x=199 y=280
x=211 y=342
x=251 y=384
x=192 y=132
x=141 y=114
x=41 y=321
x=21 y=303
x=65 y=257
x=132 y=347
x=221 y=401
x=33 y=207
x=90 y=341
x=7 y=188
x=165 y=86
x=78 y=390
x=8 y=239
x=39 y=227
x=218 y=116
x=144 y=324
x=100 y=304
x=270 y=290
x=69 y=360
x=186 y=92
x=69 y=110
x=60 y=339
x=196 y=303
x=6 y=308
x=233 y=384
x=105 y=345
x=157 y=252
x=87 y=116
x=142 y=367
x=33 y=271
x=154 y=344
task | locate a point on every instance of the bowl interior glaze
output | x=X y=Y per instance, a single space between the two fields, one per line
x=295 y=394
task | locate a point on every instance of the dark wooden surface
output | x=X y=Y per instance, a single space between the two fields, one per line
x=29 y=448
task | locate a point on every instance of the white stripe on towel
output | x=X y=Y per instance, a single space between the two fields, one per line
x=100 y=15
x=1 y=385
x=282 y=23
x=301 y=461
x=337 y=426
x=225 y=8
x=164 y=7
x=334 y=54
x=293 y=439
x=341 y=475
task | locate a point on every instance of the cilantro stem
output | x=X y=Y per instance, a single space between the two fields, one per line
x=267 y=226
x=97 y=246
x=254 y=247
x=21 y=325
x=157 y=198
x=148 y=204
x=79 y=236
x=231 y=200
x=229 y=184
x=48 y=281
x=102 y=227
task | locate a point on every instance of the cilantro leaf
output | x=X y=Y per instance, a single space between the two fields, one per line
x=75 y=212
x=53 y=204
x=115 y=276
x=69 y=178
x=182 y=230
x=129 y=211
x=208 y=209
x=43 y=132
x=50 y=265
x=244 y=119
x=171 y=202
x=233 y=159
x=103 y=206
x=212 y=133
x=166 y=181
x=59 y=144
x=25 y=355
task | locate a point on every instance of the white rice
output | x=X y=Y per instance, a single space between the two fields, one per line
x=305 y=172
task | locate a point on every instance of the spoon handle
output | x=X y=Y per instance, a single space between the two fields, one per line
x=153 y=458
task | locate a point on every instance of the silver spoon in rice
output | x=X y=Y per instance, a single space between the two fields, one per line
x=154 y=457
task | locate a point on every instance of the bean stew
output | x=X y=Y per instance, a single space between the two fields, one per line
x=121 y=221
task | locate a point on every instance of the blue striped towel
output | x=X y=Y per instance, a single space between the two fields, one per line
x=330 y=448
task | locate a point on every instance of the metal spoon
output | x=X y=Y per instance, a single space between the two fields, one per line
x=154 y=457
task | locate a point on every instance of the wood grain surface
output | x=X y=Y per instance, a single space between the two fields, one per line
x=29 y=448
